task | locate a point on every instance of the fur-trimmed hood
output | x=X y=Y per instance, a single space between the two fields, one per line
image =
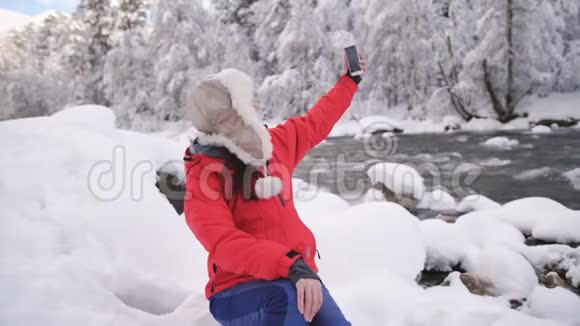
x=221 y=107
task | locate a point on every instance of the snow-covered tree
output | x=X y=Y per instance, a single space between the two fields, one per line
x=519 y=51
x=179 y=50
x=402 y=53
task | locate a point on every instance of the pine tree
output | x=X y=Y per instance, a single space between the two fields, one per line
x=131 y=15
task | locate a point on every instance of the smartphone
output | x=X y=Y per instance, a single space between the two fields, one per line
x=353 y=62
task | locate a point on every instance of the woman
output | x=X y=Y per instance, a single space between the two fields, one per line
x=239 y=204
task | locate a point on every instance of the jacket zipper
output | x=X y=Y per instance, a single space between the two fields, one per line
x=281 y=200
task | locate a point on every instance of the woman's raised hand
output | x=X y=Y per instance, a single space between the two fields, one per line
x=362 y=61
x=309 y=293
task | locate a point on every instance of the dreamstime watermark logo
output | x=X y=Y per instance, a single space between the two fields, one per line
x=108 y=180
x=345 y=170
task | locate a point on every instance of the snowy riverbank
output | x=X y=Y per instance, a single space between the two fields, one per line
x=562 y=107
x=86 y=238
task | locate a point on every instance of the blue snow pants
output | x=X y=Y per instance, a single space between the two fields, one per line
x=262 y=303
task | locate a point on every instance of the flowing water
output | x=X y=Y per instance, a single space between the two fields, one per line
x=457 y=162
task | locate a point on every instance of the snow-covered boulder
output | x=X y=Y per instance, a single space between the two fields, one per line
x=556 y=304
x=374 y=194
x=313 y=203
x=534 y=173
x=91 y=117
x=555 y=257
x=438 y=200
x=540 y=129
x=401 y=179
x=542 y=218
x=476 y=203
x=501 y=142
x=494 y=161
x=511 y=274
x=381 y=236
x=574 y=177
x=446 y=245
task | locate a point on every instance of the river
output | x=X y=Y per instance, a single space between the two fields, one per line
x=457 y=162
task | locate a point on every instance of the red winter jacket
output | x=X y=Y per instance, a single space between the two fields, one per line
x=250 y=239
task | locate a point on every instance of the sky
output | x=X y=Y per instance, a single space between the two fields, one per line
x=35 y=7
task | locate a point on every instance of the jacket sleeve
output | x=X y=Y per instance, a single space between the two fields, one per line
x=209 y=217
x=298 y=135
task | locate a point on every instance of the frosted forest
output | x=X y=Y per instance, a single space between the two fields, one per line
x=463 y=58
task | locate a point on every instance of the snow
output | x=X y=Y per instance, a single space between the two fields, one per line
x=96 y=250
x=476 y=203
x=399 y=178
x=481 y=125
x=494 y=161
x=543 y=218
x=381 y=228
x=511 y=274
x=438 y=200
x=501 y=142
x=561 y=106
x=562 y=228
x=574 y=177
x=10 y=20
x=556 y=304
x=484 y=230
x=90 y=240
x=374 y=195
x=534 y=173
x=555 y=257
x=541 y=130
x=346 y=128
x=92 y=117
x=517 y=124
x=450 y=245
x=445 y=244
x=373 y=123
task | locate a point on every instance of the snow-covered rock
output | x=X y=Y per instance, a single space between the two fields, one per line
x=370 y=235
x=446 y=245
x=511 y=274
x=541 y=130
x=494 y=161
x=438 y=200
x=501 y=142
x=574 y=177
x=534 y=173
x=91 y=117
x=525 y=213
x=482 y=230
x=565 y=228
x=543 y=218
x=401 y=179
x=556 y=304
x=374 y=195
x=476 y=203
